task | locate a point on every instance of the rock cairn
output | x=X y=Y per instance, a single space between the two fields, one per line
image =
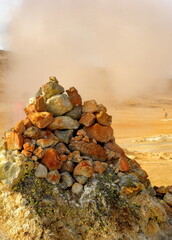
x=65 y=177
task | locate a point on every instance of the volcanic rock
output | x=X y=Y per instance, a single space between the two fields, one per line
x=99 y=133
x=74 y=97
x=59 y=104
x=93 y=150
x=64 y=122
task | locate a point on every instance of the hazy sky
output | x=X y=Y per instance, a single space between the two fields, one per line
x=111 y=47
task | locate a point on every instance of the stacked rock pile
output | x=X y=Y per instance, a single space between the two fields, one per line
x=64 y=176
x=64 y=141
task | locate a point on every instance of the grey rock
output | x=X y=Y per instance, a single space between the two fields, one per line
x=168 y=198
x=59 y=104
x=51 y=88
x=68 y=166
x=64 y=122
x=75 y=113
x=64 y=135
x=81 y=179
x=41 y=171
x=67 y=179
x=62 y=149
x=77 y=188
x=11 y=173
x=33 y=132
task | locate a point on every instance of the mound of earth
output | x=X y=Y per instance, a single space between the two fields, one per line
x=64 y=177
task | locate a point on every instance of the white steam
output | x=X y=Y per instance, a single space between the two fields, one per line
x=108 y=49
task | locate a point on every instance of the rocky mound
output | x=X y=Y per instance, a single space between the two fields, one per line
x=64 y=177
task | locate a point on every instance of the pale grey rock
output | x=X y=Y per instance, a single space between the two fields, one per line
x=64 y=135
x=11 y=173
x=53 y=177
x=59 y=104
x=41 y=171
x=51 y=88
x=81 y=179
x=77 y=188
x=67 y=179
x=75 y=113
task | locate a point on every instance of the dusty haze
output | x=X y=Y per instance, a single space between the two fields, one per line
x=108 y=49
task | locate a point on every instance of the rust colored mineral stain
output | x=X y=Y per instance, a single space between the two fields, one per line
x=14 y=141
x=51 y=159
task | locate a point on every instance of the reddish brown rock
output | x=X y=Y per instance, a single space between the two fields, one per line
x=112 y=146
x=162 y=190
x=77 y=138
x=44 y=143
x=39 y=152
x=27 y=123
x=99 y=133
x=51 y=159
x=63 y=158
x=41 y=119
x=84 y=169
x=81 y=132
x=40 y=105
x=89 y=106
x=74 y=97
x=95 y=151
x=87 y=119
x=26 y=153
x=123 y=164
x=86 y=139
x=99 y=167
x=103 y=118
x=29 y=146
x=19 y=127
x=14 y=140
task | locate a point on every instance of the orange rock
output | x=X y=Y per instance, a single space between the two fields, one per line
x=99 y=133
x=84 y=169
x=86 y=139
x=26 y=153
x=74 y=97
x=29 y=147
x=99 y=167
x=14 y=140
x=44 y=143
x=19 y=127
x=77 y=138
x=93 y=150
x=123 y=164
x=27 y=123
x=30 y=109
x=81 y=132
x=87 y=119
x=112 y=146
x=39 y=152
x=51 y=159
x=41 y=119
x=103 y=118
x=89 y=106
x=40 y=105
x=63 y=158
